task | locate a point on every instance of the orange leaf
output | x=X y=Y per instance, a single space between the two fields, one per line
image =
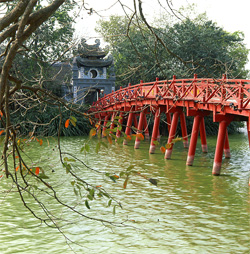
x=1 y=132
x=41 y=142
x=116 y=176
x=17 y=156
x=97 y=125
x=92 y=132
x=67 y=123
x=98 y=186
x=163 y=149
x=139 y=136
x=37 y=170
x=169 y=145
x=90 y=121
x=125 y=183
x=1 y=114
x=128 y=137
x=17 y=168
x=109 y=139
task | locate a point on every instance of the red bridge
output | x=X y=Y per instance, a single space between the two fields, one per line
x=225 y=99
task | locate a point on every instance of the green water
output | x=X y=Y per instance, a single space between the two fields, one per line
x=190 y=211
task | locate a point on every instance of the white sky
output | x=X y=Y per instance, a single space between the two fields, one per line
x=231 y=15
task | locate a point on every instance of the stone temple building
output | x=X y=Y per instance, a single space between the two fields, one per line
x=93 y=73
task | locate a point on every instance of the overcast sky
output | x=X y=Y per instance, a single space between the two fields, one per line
x=231 y=15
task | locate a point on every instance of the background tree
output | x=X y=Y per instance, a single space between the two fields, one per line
x=201 y=46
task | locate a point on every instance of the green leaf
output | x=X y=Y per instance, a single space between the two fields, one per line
x=90 y=197
x=73 y=118
x=43 y=176
x=87 y=204
x=75 y=191
x=86 y=146
x=73 y=183
x=73 y=122
x=109 y=203
x=153 y=181
x=106 y=194
x=113 y=179
x=122 y=174
x=156 y=143
x=114 y=210
x=130 y=167
x=104 y=144
x=118 y=118
x=92 y=193
x=97 y=148
x=67 y=159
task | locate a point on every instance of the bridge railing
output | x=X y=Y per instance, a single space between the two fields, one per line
x=227 y=92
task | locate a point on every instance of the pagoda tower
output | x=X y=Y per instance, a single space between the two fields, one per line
x=93 y=73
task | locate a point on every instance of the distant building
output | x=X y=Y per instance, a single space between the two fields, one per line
x=93 y=73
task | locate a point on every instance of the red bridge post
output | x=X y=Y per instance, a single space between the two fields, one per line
x=104 y=124
x=193 y=141
x=184 y=129
x=140 y=129
x=226 y=147
x=219 y=148
x=168 y=115
x=203 y=136
x=248 y=131
x=128 y=126
x=120 y=121
x=172 y=132
x=145 y=126
x=155 y=131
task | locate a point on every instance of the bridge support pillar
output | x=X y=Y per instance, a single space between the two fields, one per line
x=168 y=115
x=219 y=148
x=128 y=126
x=120 y=121
x=172 y=132
x=104 y=125
x=135 y=121
x=184 y=130
x=203 y=136
x=140 y=129
x=155 y=132
x=226 y=147
x=145 y=126
x=248 y=132
x=193 y=141
x=112 y=125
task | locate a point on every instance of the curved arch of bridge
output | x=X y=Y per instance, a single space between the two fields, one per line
x=225 y=99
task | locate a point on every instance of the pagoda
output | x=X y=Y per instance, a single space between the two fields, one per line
x=93 y=73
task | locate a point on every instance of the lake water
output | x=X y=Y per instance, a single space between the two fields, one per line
x=190 y=211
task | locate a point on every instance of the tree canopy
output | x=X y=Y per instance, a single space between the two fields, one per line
x=179 y=48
